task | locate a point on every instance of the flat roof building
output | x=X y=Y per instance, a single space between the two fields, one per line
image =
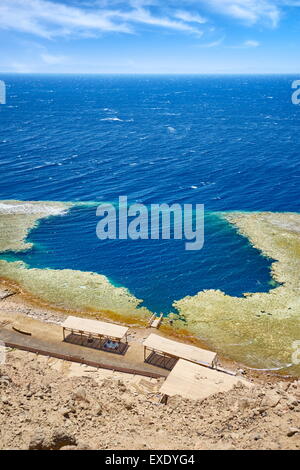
x=170 y=351
x=94 y=333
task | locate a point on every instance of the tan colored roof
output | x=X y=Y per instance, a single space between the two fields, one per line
x=195 y=382
x=95 y=327
x=184 y=351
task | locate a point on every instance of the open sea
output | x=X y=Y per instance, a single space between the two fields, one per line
x=231 y=143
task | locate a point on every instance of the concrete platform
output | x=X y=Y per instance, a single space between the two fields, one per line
x=75 y=353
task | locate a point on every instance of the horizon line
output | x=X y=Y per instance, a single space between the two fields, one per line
x=154 y=74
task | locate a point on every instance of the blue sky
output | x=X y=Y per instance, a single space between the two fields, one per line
x=149 y=36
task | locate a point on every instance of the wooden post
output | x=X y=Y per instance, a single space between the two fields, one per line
x=64 y=333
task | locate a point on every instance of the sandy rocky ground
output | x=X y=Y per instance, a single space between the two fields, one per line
x=50 y=404
x=12 y=301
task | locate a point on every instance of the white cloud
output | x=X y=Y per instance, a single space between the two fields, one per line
x=20 y=67
x=189 y=17
x=216 y=43
x=251 y=43
x=49 y=19
x=53 y=59
x=249 y=11
x=91 y=18
x=141 y=15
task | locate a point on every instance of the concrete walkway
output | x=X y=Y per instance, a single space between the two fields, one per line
x=81 y=354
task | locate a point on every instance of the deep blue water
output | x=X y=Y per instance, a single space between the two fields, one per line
x=231 y=143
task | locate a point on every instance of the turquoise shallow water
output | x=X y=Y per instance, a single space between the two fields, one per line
x=231 y=143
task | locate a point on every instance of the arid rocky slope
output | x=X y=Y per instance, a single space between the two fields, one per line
x=41 y=408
